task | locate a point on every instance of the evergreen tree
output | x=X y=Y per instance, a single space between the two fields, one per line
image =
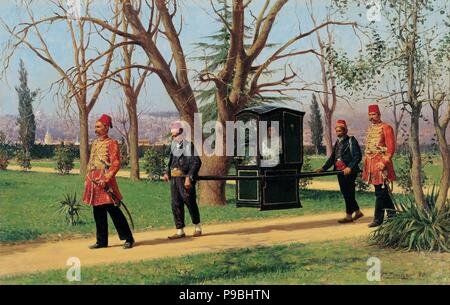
x=124 y=155
x=26 y=122
x=216 y=48
x=315 y=124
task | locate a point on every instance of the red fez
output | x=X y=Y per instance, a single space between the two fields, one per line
x=342 y=123
x=374 y=108
x=106 y=120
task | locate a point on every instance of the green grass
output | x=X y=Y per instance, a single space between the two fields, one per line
x=52 y=163
x=44 y=163
x=29 y=201
x=338 y=262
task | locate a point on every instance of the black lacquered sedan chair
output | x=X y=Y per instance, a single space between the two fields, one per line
x=268 y=194
x=268 y=183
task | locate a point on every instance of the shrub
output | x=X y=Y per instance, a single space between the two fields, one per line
x=5 y=154
x=47 y=151
x=124 y=156
x=42 y=151
x=154 y=164
x=4 y=159
x=307 y=167
x=416 y=227
x=403 y=171
x=70 y=207
x=64 y=156
x=24 y=159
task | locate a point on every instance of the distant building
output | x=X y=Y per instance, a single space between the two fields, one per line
x=144 y=142
x=48 y=139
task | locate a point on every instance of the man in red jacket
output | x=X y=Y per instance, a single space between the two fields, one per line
x=104 y=163
x=378 y=166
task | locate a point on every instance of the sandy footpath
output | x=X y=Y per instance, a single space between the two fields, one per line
x=154 y=244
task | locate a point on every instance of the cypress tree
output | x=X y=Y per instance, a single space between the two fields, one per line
x=26 y=121
x=315 y=124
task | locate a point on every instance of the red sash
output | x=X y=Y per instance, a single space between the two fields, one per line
x=340 y=165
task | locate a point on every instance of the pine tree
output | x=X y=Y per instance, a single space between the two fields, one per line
x=315 y=124
x=26 y=121
x=215 y=56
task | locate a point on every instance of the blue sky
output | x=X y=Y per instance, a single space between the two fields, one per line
x=198 y=22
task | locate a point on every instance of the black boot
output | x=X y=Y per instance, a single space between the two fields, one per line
x=391 y=213
x=389 y=205
x=374 y=224
x=97 y=246
x=128 y=244
x=379 y=206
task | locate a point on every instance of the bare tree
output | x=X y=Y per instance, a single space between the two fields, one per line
x=121 y=117
x=328 y=98
x=132 y=86
x=122 y=124
x=74 y=81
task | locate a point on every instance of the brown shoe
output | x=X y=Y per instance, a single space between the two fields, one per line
x=197 y=233
x=358 y=216
x=176 y=236
x=345 y=220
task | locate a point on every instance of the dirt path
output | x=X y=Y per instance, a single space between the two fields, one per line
x=154 y=244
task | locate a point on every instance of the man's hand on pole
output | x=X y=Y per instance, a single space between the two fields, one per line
x=166 y=178
x=187 y=183
x=347 y=171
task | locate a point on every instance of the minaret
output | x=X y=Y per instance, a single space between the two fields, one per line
x=48 y=140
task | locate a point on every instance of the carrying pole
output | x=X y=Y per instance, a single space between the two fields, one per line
x=274 y=177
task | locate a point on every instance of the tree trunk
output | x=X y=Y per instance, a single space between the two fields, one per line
x=328 y=115
x=133 y=138
x=445 y=155
x=416 y=159
x=84 y=139
x=414 y=142
x=213 y=192
x=445 y=176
